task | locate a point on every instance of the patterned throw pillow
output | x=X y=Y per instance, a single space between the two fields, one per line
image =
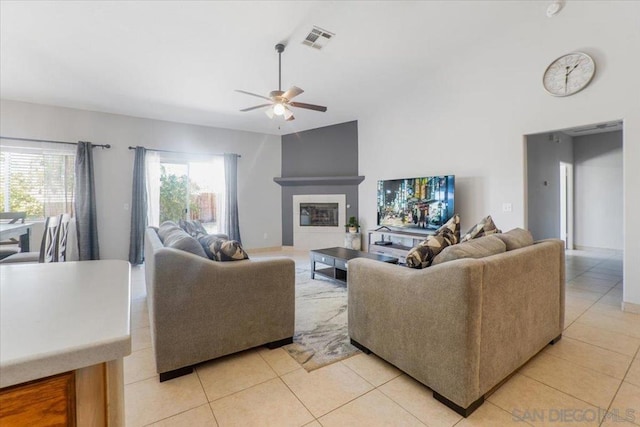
x=227 y=250
x=452 y=226
x=207 y=242
x=193 y=227
x=484 y=228
x=422 y=255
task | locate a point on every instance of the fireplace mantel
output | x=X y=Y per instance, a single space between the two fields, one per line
x=318 y=180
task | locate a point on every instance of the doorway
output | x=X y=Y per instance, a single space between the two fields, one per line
x=574 y=186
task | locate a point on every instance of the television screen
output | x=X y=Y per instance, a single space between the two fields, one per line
x=416 y=203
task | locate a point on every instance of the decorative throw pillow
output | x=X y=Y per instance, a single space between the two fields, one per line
x=475 y=248
x=208 y=240
x=452 y=226
x=227 y=250
x=193 y=227
x=166 y=228
x=422 y=255
x=177 y=238
x=516 y=238
x=483 y=228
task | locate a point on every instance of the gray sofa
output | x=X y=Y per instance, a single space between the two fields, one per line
x=201 y=309
x=462 y=326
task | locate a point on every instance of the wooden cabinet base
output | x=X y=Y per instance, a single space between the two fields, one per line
x=91 y=396
x=48 y=401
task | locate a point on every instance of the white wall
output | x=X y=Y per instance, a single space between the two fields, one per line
x=598 y=190
x=543 y=182
x=469 y=116
x=258 y=196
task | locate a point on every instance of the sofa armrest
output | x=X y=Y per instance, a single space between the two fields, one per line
x=209 y=309
x=425 y=321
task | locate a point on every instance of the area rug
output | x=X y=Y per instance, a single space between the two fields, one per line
x=320 y=336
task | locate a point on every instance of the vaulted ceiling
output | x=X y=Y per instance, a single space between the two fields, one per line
x=182 y=60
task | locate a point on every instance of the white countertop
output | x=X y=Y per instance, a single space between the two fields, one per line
x=58 y=317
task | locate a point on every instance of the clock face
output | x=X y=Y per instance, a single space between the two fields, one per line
x=569 y=74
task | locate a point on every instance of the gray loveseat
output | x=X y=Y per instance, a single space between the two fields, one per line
x=462 y=326
x=201 y=309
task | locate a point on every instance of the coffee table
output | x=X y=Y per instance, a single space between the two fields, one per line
x=335 y=260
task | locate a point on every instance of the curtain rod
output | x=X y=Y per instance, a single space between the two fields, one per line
x=54 y=142
x=180 y=152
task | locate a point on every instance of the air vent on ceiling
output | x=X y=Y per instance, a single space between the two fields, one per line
x=318 y=38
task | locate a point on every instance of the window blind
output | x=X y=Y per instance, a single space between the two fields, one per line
x=37 y=181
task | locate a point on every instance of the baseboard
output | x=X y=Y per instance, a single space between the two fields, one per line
x=630 y=307
x=593 y=249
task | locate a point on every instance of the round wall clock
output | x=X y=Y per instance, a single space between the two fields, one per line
x=569 y=74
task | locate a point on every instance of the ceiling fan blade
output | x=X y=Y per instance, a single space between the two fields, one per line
x=292 y=92
x=269 y=112
x=288 y=115
x=253 y=94
x=308 y=106
x=257 y=106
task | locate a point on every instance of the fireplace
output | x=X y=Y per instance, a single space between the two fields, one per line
x=318 y=220
x=319 y=214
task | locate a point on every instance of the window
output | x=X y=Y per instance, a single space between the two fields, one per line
x=37 y=181
x=192 y=190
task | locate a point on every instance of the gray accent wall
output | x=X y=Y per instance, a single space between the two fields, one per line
x=544 y=154
x=598 y=190
x=328 y=151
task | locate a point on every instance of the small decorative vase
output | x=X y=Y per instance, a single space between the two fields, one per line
x=353 y=229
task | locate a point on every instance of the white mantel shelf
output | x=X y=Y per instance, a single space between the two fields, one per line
x=318 y=180
x=58 y=317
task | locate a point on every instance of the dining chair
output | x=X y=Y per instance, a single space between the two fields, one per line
x=48 y=248
x=11 y=246
x=63 y=231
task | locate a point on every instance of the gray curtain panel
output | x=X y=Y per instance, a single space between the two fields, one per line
x=138 y=208
x=231 y=188
x=86 y=217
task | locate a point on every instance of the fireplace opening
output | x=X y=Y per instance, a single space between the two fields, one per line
x=318 y=214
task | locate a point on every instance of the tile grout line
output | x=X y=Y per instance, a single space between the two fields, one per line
x=380 y=391
x=621 y=382
x=289 y=388
x=206 y=397
x=595 y=345
x=559 y=391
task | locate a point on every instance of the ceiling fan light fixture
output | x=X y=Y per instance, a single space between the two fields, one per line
x=278 y=109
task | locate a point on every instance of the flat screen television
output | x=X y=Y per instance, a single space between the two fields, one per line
x=416 y=204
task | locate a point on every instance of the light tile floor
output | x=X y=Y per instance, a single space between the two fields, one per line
x=589 y=377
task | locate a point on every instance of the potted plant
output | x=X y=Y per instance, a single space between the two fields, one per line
x=353 y=225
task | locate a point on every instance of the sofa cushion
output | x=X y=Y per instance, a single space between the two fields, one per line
x=516 y=238
x=192 y=227
x=476 y=248
x=177 y=238
x=422 y=255
x=208 y=240
x=165 y=228
x=483 y=228
x=227 y=250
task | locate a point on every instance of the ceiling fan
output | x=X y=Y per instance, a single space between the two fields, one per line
x=279 y=101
